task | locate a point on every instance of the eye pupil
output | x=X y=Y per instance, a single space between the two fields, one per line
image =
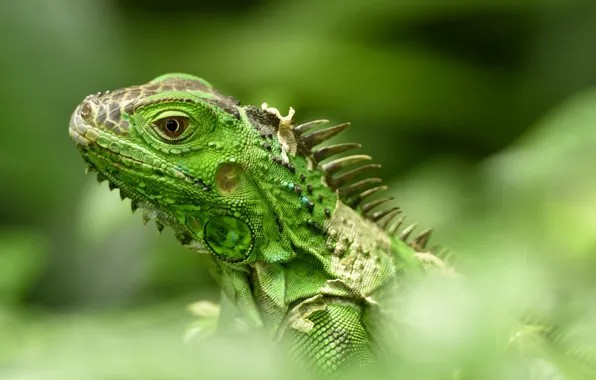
x=171 y=128
x=172 y=125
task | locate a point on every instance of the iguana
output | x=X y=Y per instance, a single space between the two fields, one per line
x=301 y=243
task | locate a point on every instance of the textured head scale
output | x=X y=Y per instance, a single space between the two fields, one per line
x=226 y=178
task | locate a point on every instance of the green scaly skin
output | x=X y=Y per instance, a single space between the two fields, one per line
x=295 y=247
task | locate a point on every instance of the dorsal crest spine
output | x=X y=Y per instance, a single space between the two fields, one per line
x=342 y=175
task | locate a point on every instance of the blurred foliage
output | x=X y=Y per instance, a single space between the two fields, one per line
x=454 y=98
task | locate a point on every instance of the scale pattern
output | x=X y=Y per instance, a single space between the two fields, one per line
x=337 y=341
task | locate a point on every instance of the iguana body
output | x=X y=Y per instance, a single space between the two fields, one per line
x=299 y=248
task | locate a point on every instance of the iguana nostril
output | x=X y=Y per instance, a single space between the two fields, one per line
x=86 y=110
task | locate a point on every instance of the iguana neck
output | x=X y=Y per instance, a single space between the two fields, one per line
x=292 y=186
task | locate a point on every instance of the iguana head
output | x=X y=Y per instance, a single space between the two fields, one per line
x=226 y=178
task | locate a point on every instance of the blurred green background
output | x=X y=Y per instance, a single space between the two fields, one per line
x=482 y=112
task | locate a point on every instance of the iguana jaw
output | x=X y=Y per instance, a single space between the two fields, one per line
x=111 y=164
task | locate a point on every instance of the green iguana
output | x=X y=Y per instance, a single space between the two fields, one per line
x=297 y=243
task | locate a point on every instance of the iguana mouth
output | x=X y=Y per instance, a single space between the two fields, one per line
x=85 y=137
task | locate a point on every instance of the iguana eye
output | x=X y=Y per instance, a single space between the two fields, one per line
x=172 y=127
